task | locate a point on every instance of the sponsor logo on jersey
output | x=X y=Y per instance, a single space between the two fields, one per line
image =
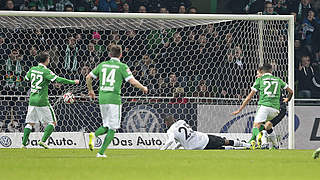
x=5 y=141
x=142 y=118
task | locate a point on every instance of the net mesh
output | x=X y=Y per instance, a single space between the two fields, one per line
x=197 y=70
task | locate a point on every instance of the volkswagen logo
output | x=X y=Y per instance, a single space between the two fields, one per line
x=5 y=141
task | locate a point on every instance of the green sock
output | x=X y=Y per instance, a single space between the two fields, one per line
x=107 y=141
x=47 y=132
x=261 y=127
x=101 y=131
x=26 y=134
x=255 y=132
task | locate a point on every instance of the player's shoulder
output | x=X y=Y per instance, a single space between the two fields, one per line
x=179 y=123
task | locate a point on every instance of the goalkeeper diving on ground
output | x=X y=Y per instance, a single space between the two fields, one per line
x=180 y=134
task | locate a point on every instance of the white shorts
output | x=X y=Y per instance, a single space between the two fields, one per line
x=265 y=114
x=43 y=114
x=111 y=115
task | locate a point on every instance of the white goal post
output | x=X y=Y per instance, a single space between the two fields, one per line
x=144 y=24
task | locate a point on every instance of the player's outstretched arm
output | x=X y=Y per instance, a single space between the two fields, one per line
x=49 y=75
x=245 y=102
x=137 y=84
x=89 y=86
x=66 y=81
x=290 y=94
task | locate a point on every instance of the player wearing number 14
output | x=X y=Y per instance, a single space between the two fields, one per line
x=111 y=75
x=39 y=109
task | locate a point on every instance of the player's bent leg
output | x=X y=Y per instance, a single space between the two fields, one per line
x=26 y=132
x=100 y=131
x=47 y=132
x=91 y=141
x=257 y=127
x=107 y=140
x=216 y=142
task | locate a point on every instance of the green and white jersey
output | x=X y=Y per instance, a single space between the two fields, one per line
x=111 y=75
x=40 y=77
x=269 y=88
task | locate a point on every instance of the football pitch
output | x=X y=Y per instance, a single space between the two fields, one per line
x=60 y=164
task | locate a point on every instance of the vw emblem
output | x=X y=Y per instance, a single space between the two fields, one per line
x=142 y=119
x=5 y=141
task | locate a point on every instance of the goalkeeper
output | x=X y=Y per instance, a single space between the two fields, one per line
x=181 y=134
x=39 y=108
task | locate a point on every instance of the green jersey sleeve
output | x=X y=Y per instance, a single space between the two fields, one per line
x=283 y=85
x=95 y=72
x=49 y=75
x=126 y=73
x=27 y=76
x=256 y=85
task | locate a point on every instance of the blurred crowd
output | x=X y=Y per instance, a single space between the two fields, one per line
x=307 y=37
x=120 y=6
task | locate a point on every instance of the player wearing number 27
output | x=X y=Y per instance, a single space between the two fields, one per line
x=269 y=88
x=39 y=108
x=111 y=74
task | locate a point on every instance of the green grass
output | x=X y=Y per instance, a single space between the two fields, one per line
x=57 y=164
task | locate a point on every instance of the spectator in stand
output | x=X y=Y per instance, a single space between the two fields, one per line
x=85 y=5
x=68 y=8
x=202 y=90
x=178 y=96
x=193 y=10
x=308 y=26
x=182 y=9
x=91 y=57
x=173 y=5
x=47 y=5
x=172 y=84
x=305 y=75
x=163 y=10
x=125 y=8
x=300 y=8
x=144 y=66
x=254 y=6
x=281 y=7
x=71 y=55
x=107 y=6
x=142 y=9
x=98 y=45
x=268 y=9
x=30 y=57
x=14 y=70
x=10 y=6
x=33 y=6
x=60 y=5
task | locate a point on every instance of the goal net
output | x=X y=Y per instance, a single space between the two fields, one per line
x=198 y=68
